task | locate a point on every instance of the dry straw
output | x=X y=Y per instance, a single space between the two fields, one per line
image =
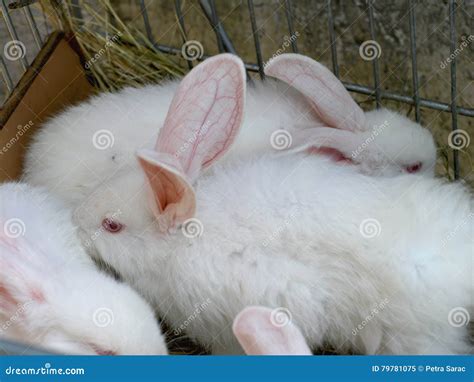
x=115 y=55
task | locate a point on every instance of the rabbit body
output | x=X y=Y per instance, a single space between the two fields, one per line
x=51 y=293
x=290 y=232
x=63 y=157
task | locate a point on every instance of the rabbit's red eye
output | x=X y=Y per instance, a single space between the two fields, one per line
x=99 y=351
x=112 y=225
x=413 y=168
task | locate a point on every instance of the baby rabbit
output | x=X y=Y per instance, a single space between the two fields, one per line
x=260 y=332
x=379 y=142
x=75 y=151
x=295 y=231
x=51 y=294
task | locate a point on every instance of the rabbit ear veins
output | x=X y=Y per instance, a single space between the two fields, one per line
x=328 y=97
x=205 y=114
x=258 y=335
x=202 y=122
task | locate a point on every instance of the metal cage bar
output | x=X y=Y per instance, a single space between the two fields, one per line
x=12 y=31
x=375 y=62
x=289 y=19
x=332 y=39
x=179 y=13
x=454 y=116
x=215 y=25
x=256 y=40
x=146 y=22
x=414 y=65
x=33 y=27
x=228 y=46
x=6 y=75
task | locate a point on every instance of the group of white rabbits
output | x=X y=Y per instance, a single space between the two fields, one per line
x=318 y=209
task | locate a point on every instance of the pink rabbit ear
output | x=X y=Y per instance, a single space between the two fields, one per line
x=346 y=143
x=331 y=102
x=259 y=335
x=202 y=122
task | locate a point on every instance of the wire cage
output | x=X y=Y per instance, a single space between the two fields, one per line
x=26 y=26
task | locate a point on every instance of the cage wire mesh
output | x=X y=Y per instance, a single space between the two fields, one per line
x=124 y=43
x=128 y=42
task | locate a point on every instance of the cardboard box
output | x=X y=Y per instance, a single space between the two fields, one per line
x=55 y=80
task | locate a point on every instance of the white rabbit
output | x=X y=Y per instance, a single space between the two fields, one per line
x=260 y=332
x=88 y=143
x=51 y=294
x=288 y=231
x=379 y=142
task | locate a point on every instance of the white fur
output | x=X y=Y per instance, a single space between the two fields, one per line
x=63 y=302
x=64 y=159
x=286 y=232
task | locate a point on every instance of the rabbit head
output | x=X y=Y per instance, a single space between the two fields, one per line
x=153 y=197
x=260 y=334
x=381 y=142
x=51 y=294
